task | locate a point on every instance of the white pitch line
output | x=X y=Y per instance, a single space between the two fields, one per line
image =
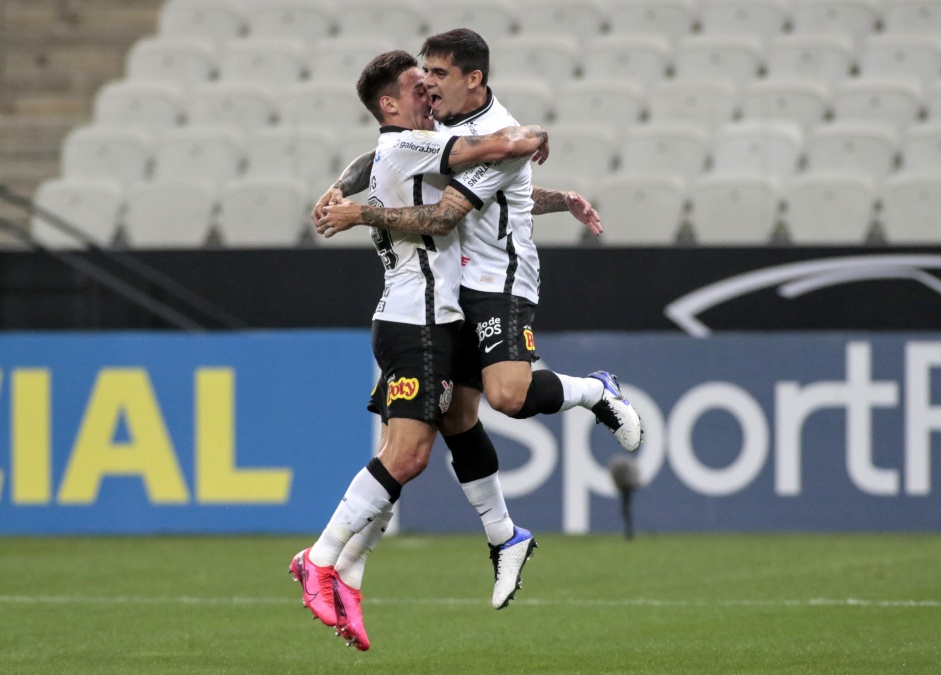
x=534 y=602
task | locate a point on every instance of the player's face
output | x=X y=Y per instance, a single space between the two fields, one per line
x=412 y=102
x=448 y=88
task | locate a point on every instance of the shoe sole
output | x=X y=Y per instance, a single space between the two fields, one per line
x=519 y=575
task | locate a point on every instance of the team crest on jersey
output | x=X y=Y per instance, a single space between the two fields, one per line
x=529 y=338
x=421 y=133
x=405 y=388
x=444 y=401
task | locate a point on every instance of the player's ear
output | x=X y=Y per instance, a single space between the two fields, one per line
x=474 y=79
x=388 y=105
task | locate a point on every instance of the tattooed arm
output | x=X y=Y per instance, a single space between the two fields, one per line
x=508 y=143
x=554 y=201
x=354 y=179
x=434 y=219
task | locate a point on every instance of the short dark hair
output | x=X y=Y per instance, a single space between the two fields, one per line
x=468 y=51
x=380 y=78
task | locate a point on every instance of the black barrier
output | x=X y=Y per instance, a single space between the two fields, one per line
x=695 y=290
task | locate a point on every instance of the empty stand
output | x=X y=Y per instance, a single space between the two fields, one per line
x=886 y=101
x=343 y=59
x=240 y=105
x=584 y=151
x=645 y=58
x=664 y=149
x=856 y=149
x=735 y=57
x=272 y=63
x=768 y=149
x=829 y=209
x=806 y=103
x=825 y=59
x=921 y=149
x=309 y=21
x=617 y=105
x=153 y=106
x=549 y=60
x=912 y=17
x=763 y=19
x=641 y=210
x=492 y=19
x=911 y=203
x=528 y=102
x=216 y=20
x=853 y=18
x=902 y=57
x=304 y=153
x=581 y=19
x=326 y=104
x=671 y=19
x=263 y=211
x=93 y=205
x=211 y=154
x=122 y=155
x=379 y=18
x=734 y=209
x=186 y=62
x=705 y=102
x=169 y=214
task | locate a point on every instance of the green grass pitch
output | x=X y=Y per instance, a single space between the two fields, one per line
x=598 y=604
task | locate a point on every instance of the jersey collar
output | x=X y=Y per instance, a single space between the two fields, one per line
x=392 y=129
x=473 y=114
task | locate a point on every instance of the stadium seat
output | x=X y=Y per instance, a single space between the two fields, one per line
x=152 y=106
x=122 y=155
x=549 y=60
x=185 y=62
x=664 y=149
x=855 y=149
x=921 y=149
x=343 y=59
x=310 y=21
x=911 y=17
x=581 y=19
x=528 y=102
x=766 y=149
x=263 y=211
x=762 y=19
x=272 y=63
x=493 y=19
x=216 y=20
x=353 y=142
x=854 y=18
x=823 y=59
x=645 y=58
x=303 y=153
x=734 y=209
x=641 y=210
x=671 y=19
x=933 y=101
x=829 y=209
x=706 y=102
x=93 y=205
x=882 y=101
x=325 y=104
x=911 y=203
x=805 y=103
x=713 y=57
x=380 y=19
x=902 y=57
x=169 y=214
x=583 y=151
x=202 y=154
x=617 y=105
x=239 y=105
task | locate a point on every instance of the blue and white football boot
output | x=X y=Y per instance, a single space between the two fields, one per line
x=615 y=412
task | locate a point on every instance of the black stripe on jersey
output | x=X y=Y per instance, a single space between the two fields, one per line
x=418 y=200
x=429 y=286
x=504 y=214
x=512 y=258
x=446 y=156
x=475 y=201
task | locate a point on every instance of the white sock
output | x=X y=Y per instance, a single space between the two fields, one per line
x=583 y=391
x=486 y=495
x=365 y=498
x=352 y=562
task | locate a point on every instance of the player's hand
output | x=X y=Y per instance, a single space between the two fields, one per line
x=542 y=152
x=339 y=217
x=330 y=197
x=583 y=211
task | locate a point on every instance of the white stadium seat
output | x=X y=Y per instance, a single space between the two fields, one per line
x=379 y=18
x=202 y=154
x=548 y=59
x=921 y=148
x=152 y=106
x=933 y=101
x=763 y=19
x=768 y=149
x=93 y=205
x=263 y=211
x=884 y=101
x=706 y=102
x=239 y=105
x=671 y=19
x=829 y=209
x=326 y=104
x=309 y=21
x=910 y=17
x=664 y=149
x=216 y=20
x=352 y=143
x=186 y=62
x=617 y=105
x=803 y=102
x=855 y=18
x=903 y=57
x=169 y=214
x=825 y=59
x=583 y=151
x=272 y=63
x=645 y=58
x=856 y=149
x=343 y=59
x=122 y=155
x=734 y=209
x=304 y=153
x=641 y=210
x=492 y=19
x=581 y=19
x=528 y=102
x=735 y=57
x=911 y=204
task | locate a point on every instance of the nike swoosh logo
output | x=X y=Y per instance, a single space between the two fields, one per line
x=489 y=348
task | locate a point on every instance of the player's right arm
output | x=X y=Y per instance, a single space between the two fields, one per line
x=508 y=143
x=434 y=219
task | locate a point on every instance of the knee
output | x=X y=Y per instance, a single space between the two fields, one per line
x=506 y=397
x=404 y=462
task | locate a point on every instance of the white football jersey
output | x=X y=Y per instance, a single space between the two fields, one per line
x=499 y=255
x=423 y=273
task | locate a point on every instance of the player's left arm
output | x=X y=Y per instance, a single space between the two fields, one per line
x=555 y=201
x=355 y=178
x=434 y=219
